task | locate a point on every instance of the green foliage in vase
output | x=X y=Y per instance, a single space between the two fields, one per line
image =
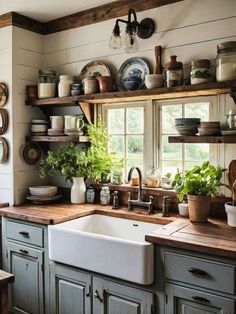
x=199 y=180
x=69 y=161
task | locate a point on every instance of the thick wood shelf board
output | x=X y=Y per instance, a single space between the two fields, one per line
x=62 y=138
x=202 y=139
x=137 y=95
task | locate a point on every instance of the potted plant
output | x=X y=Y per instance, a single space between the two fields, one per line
x=71 y=162
x=102 y=162
x=198 y=184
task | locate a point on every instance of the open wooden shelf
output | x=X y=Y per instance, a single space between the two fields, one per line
x=62 y=138
x=202 y=139
x=207 y=89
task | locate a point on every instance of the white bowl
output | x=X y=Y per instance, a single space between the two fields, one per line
x=43 y=190
x=183 y=209
x=154 y=80
x=39 y=128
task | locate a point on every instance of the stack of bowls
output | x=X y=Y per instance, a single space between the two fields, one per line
x=209 y=128
x=39 y=127
x=187 y=126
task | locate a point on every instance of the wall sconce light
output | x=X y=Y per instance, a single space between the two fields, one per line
x=143 y=30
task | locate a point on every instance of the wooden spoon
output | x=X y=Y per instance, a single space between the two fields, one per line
x=158 y=66
x=232 y=173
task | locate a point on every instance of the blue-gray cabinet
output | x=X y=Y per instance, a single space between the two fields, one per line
x=198 y=284
x=25 y=254
x=74 y=291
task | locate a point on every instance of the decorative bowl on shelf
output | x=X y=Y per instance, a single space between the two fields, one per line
x=43 y=190
x=187 y=121
x=154 y=81
x=132 y=83
x=187 y=129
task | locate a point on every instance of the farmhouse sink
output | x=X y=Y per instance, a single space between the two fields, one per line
x=107 y=245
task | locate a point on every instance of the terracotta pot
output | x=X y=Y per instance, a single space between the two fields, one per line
x=106 y=83
x=32 y=91
x=198 y=207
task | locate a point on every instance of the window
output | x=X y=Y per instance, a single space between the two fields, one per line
x=126 y=126
x=182 y=156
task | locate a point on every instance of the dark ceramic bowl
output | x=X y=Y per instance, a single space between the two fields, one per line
x=132 y=83
x=187 y=121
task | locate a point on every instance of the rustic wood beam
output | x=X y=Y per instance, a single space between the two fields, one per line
x=103 y=13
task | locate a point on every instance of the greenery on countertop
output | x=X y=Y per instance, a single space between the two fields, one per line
x=199 y=180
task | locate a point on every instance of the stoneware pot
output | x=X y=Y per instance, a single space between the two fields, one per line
x=154 y=81
x=106 y=83
x=90 y=85
x=231 y=214
x=198 y=207
x=183 y=209
x=78 y=191
x=132 y=83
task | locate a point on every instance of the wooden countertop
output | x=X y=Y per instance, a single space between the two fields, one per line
x=214 y=237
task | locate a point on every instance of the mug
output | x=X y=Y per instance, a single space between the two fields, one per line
x=57 y=122
x=73 y=122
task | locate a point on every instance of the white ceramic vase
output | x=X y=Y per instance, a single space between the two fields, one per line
x=78 y=190
x=231 y=214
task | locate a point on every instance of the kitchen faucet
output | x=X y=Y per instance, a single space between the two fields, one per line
x=139 y=202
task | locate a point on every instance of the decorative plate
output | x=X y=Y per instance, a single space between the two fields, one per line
x=4 y=150
x=31 y=153
x=95 y=69
x=132 y=68
x=3 y=94
x=3 y=121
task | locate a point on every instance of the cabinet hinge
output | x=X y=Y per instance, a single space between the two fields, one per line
x=166 y=298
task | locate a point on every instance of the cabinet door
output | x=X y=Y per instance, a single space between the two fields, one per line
x=113 y=298
x=70 y=291
x=181 y=300
x=27 y=290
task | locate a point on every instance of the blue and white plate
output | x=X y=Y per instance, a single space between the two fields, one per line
x=132 y=68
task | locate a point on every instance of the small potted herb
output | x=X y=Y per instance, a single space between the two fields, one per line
x=198 y=184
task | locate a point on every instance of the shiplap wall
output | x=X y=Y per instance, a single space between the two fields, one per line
x=190 y=29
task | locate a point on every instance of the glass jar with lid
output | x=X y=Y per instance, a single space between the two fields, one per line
x=201 y=71
x=47 y=84
x=174 y=72
x=64 y=85
x=105 y=196
x=154 y=178
x=226 y=61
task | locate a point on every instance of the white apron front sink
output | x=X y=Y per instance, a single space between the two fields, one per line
x=107 y=245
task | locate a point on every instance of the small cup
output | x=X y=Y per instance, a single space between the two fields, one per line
x=57 y=122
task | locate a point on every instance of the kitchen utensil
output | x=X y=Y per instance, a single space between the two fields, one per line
x=43 y=190
x=43 y=199
x=158 y=67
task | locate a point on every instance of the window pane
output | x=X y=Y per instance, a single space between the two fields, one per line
x=171 y=151
x=135 y=120
x=116 y=123
x=171 y=166
x=194 y=152
x=135 y=150
x=169 y=113
x=197 y=110
x=117 y=145
x=188 y=164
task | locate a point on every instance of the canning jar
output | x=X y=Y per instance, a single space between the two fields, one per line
x=105 y=195
x=201 y=71
x=64 y=85
x=174 y=72
x=46 y=84
x=226 y=61
x=154 y=178
x=90 y=195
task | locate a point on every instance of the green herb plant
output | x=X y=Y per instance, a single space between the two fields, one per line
x=200 y=180
x=69 y=161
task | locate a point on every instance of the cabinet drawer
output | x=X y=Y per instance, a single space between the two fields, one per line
x=25 y=233
x=200 y=272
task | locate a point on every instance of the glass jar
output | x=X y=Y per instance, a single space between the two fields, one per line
x=64 y=85
x=105 y=196
x=174 y=72
x=47 y=84
x=154 y=178
x=90 y=195
x=226 y=61
x=201 y=71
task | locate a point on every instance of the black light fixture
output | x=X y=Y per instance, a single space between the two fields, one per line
x=143 y=30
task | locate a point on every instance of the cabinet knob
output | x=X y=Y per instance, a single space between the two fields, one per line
x=24 y=233
x=24 y=251
x=200 y=299
x=88 y=293
x=197 y=271
x=97 y=296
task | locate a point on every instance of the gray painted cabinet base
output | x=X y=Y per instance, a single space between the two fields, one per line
x=76 y=292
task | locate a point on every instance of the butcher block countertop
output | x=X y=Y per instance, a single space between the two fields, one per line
x=214 y=237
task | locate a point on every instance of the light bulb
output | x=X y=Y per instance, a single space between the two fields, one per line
x=115 y=42
x=131 y=44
